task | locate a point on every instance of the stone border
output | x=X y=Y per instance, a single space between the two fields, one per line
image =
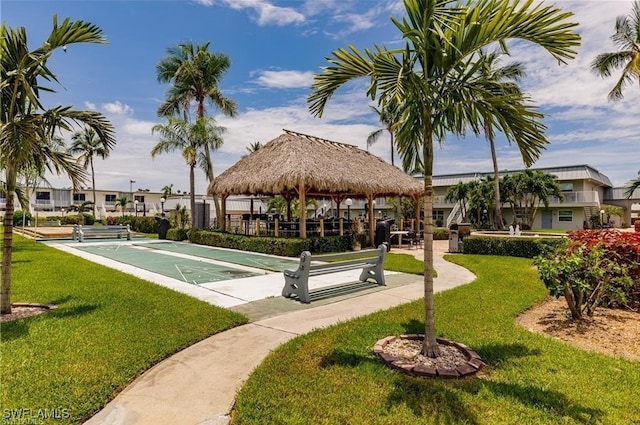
x=473 y=364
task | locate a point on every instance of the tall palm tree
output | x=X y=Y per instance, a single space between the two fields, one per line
x=506 y=108
x=194 y=74
x=86 y=144
x=428 y=77
x=389 y=115
x=192 y=140
x=632 y=186
x=627 y=38
x=27 y=129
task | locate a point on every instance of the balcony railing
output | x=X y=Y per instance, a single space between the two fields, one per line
x=582 y=197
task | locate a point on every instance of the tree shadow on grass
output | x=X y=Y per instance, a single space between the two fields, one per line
x=19 y=328
x=74 y=311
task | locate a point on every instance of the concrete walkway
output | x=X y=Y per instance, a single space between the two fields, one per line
x=197 y=386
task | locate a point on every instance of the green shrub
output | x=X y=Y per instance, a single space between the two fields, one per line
x=288 y=247
x=88 y=219
x=177 y=234
x=143 y=224
x=511 y=246
x=619 y=261
x=440 y=234
x=583 y=275
x=17 y=217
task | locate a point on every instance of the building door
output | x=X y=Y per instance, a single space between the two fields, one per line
x=547 y=219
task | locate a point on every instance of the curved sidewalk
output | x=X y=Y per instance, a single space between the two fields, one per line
x=197 y=386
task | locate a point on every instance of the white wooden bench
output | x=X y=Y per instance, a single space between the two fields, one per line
x=297 y=281
x=79 y=233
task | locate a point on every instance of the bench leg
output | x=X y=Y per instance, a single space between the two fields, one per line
x=296 y=286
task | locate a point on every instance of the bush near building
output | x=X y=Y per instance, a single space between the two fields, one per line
x=596 y=268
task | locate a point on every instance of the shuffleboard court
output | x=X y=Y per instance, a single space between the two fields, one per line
x=250 y=259
x=186 y=270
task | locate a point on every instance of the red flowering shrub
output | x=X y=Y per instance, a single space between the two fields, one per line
x=622 y=247
x=596 y=267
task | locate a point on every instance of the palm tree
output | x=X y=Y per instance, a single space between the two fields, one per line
x=428 y=77
x=27 y=129
x=632 y=186
x=87 y=145
x=194 y=74
x=388 y=116
x=122 y=203
x=253 y=147
x=499 y=83
x=459 y=193
x=193 y=140
x=167 y=190
x=627 y=38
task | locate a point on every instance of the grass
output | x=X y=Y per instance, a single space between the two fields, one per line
x=330 y=376
x=405 y=263
x=108 y=328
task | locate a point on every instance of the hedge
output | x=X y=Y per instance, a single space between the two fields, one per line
x=287 y=247
x=510 y=246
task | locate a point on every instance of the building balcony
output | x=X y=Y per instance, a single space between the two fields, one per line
x=576 y=199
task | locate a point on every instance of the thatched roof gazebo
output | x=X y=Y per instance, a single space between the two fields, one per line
x=299 y=165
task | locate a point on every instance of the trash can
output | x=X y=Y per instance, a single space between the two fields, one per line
x=453 y=241
x=383 y=233
x=163 y=227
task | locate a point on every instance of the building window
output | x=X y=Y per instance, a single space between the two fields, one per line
x=566 y=187
x=438 y=217
x=139 y=198
x=43 y=196
x=565 y=215
x=110 y=198
x=79 y=197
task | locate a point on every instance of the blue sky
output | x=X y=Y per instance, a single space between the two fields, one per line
x=275 y=47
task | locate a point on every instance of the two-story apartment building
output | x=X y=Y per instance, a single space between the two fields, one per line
x=585 y=191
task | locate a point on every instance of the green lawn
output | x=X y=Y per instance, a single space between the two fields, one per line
x=330 y=376
x=108 y=328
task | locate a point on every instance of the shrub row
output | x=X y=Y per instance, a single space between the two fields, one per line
x=137 y=224
x=287 y=247
x=176 y=234
x=511 y=246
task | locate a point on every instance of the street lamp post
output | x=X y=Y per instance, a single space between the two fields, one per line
x=131 y=182
x=348 y=201
x=162 y=205
x=601 y=219
x=135 y=203
x=204 y=211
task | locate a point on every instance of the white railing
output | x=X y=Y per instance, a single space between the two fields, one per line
x=453 y=215
x=582 y=197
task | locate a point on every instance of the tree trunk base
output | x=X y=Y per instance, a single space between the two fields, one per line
x=403 y=353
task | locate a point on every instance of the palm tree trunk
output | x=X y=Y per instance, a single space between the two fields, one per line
x=7 y=242
x=496 y=179
x=390 y=132
x=93 y=186
x=216 y=200
x=430 y=345
x=192 y=195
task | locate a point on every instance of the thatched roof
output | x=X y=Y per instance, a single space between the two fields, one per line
x=324 y=167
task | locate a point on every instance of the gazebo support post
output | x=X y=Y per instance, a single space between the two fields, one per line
x=223 y=205
x=303 y=211
x=372 y=213
x=416 y=211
